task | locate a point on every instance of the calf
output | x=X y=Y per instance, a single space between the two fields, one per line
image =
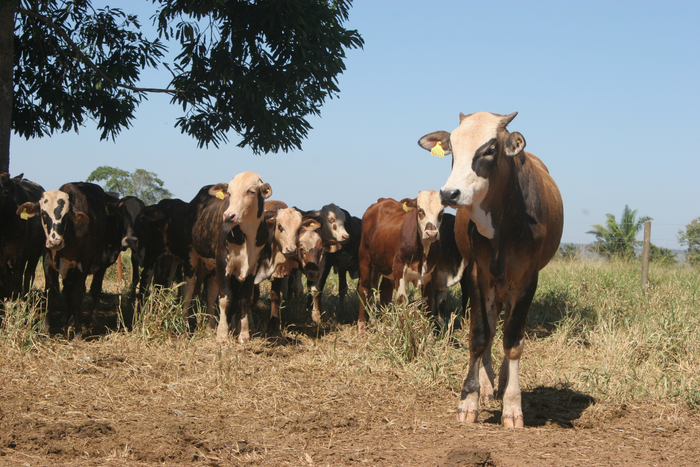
x=336 y=224
x=21 y=241
x=75 y=222
x=396 y=244
x=166 y=245
x=510 y=219
x=448 y=271
x=227 y=231
x=133 y=227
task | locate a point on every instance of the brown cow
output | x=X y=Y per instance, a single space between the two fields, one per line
x=78 y=243
x=228 y=231
x=398 y=243
x=517 y=220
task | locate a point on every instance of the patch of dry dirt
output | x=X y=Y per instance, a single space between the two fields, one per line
x=299 y=401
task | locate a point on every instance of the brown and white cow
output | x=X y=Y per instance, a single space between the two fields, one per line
x=78 y=242
x=228 y=232
x=517 y=219
x=336 y=225
x=398 y=243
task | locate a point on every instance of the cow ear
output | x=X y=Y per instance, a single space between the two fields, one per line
x=435 y=141
x=27 y=210
x=79 y=217
x=265 y=190
x=112 y=207
x=331 y=246
x=515 y=143
x=310 y=224
x=220 y=190
x=18 y=178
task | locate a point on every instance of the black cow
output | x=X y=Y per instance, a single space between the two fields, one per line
x=21 y=240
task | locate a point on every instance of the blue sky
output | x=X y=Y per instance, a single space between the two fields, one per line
x=608 y=94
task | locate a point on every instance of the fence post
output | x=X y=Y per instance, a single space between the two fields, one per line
x=645 y=253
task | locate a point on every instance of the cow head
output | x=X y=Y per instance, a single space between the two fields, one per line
x=477 y=145
x=429 y=212
x=333 y=223
x=56 y=211
x=130 y=212
x=245 y=195
x=287 y=224
x=312 y=250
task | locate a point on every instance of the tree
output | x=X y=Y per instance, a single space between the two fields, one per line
x=144 y=185
x=569 y=251
x=691 y=238
x=618 y=239
x=256 y=67
x=661 y=255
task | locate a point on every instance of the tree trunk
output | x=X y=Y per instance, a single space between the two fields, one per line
x=7 y=49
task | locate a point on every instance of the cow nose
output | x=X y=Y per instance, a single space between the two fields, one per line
x=229 y=218
x=431 y=234
x=290 y=250
x=54 y=243
x=344 y=238
x=449 y=197
x=130 y=242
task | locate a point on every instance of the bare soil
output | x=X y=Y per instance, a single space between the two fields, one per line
x=309 y=396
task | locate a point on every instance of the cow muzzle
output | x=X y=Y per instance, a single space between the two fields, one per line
x=130 y=242
x=450 y=196
x=312 y=272
x=231 y=218
x=431 y=235
x=55 y=244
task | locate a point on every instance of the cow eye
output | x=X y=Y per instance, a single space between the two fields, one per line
x=251 y=191
x=490 y=151
x=280 y=228
x=331 y=220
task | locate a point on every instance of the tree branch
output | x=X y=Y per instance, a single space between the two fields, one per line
x=86 y=60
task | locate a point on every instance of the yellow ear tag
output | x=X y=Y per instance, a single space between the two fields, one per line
x=220 y=194
x=312 y=224
x=405 y=207
x=437 y=150
x=23 y=215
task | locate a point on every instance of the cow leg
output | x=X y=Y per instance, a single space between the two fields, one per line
x=29 y=273
x=386 y=293
x=440 y=302
x=225 y=295
x=95 y=292
x=246 y=301
x=212 y=294
x=481 y=334
x=51 y=285
x=315 y=290
x=342 y=284
x=73 y=291
x=275 y=296
x=513 y=344
x=135 y=264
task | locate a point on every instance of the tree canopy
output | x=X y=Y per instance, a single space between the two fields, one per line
x=691 y=238
x=618 y=239
x=144 y=185
x=259 y=68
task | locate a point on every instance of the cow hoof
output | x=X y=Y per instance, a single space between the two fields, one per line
x=467 y=415
x=513 y=421
x=222 y=339
x=361 y=327
x=243 y=337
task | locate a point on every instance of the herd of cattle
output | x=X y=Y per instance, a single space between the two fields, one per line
x=231 y=237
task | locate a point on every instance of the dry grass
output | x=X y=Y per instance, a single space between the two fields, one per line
x=594 y=335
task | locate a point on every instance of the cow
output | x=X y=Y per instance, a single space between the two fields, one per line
x=166 y=245
x=227 y=233
x=309 y=261
x=509 y=219
x=448 y=271
x=133 y=226
x=398 y=243
x=21 y=241
x=81 y=238
x=336 y=225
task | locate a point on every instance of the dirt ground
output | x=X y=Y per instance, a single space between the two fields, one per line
x=296 y=401
x=307 y=397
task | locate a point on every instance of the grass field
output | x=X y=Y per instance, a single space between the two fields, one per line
x=603 y=356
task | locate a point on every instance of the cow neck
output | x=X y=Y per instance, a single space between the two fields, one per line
x=505 y=202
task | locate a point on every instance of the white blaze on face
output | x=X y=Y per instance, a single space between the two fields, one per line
x=243 y=202
x=334 y=224
x=55 y=207
x=429 y=215
x=473 y=132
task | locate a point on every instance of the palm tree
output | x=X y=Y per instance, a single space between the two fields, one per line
x=618 y=239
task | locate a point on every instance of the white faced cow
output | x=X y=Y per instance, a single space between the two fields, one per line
x=517 y=216
x=228 y=232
